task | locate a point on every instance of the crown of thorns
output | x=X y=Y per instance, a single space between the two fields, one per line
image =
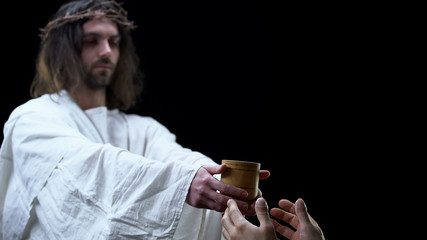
x=119 y=16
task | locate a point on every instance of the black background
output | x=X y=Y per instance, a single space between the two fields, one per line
x=292 y=86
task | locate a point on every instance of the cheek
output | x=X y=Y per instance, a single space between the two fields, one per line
x=115 y=56
x=86 y=57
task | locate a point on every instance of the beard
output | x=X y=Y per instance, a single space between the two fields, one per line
x=97 y=79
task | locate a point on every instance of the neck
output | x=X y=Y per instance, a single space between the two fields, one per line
x=88 y=98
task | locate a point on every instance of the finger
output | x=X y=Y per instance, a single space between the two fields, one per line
x=229 y=190
x=220 y=200
x=264 y=174
x=251 y=208
x=301 y=211
x=226 y=221
x=215 y=206
x=261 y=210
x=215 y=169
x=233 y=212
x=287 y=205
x=209 y=203
x=225 y=233
x=283 y=230
x=250 y=211
x=287 y=217
x=226 y=191
x=227 y=224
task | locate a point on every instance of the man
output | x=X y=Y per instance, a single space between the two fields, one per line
x=73 y=165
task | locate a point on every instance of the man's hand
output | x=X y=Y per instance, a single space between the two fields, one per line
x=203 y=190
x=204 y=193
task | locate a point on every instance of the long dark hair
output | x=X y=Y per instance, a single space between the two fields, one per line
x=59 y=65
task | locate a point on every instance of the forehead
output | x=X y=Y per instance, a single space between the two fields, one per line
x=100 y=26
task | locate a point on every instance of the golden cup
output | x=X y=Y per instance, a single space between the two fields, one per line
x=243 y=175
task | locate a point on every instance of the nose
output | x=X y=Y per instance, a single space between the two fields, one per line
x=105 y=49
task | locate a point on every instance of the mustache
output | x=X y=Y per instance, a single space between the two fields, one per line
x=103 y=61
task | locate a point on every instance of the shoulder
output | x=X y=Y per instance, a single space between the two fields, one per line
x=48 y=105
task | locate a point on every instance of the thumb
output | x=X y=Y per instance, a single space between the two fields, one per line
x=215 y=169
x=261 y=210
x=301 y=211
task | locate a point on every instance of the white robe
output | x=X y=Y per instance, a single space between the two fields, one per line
x=96 y=174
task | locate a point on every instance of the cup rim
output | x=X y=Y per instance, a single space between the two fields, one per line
x=238 y=162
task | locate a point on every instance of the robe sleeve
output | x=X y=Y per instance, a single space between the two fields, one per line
x=160 y=143
x=87 y=189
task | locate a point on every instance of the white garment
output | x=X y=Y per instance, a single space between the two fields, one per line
x=96 y=174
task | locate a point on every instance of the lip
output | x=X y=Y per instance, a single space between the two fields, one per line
x=103 y=66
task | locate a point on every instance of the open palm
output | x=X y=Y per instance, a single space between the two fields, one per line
x=297 y=216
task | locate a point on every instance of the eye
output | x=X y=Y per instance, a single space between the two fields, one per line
x=90 y=41
x=114 y=42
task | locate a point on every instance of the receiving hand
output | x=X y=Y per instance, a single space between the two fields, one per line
x=297 y=216
x=236 y=227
